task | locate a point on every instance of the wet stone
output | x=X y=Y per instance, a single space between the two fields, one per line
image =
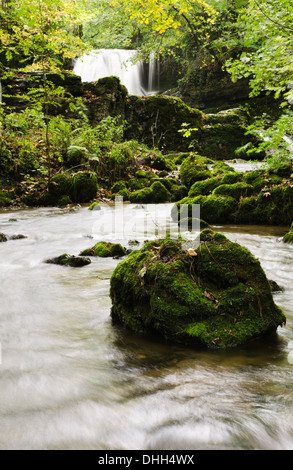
x=69 y=260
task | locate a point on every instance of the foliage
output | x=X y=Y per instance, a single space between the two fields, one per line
x=39 y=32
x=151 y=25
x=267 y=56
x=277 y=139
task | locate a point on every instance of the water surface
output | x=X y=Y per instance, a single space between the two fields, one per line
x=70 y=380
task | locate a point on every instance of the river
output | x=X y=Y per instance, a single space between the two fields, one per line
x=70 y=380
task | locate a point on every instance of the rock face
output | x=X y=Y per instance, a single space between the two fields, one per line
x=155 y=120
x=210 y=86
x=216 y=296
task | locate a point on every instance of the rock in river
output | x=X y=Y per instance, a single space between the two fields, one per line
x=216 y=295
x=69 y=260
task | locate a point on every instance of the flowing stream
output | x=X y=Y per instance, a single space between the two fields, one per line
x=70 y=380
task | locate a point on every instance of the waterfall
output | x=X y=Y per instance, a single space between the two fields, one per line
x=107 y=62
x=154 y=69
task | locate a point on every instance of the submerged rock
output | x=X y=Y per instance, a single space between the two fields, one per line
x=69 y=260
x=216 y=295
x=3 y=237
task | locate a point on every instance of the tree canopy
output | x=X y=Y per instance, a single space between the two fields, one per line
x=40 y=31
x=267 y=58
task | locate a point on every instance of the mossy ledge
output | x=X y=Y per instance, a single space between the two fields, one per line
x=216 y=296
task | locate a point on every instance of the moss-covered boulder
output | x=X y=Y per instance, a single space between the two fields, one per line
x=154 y=194
x=95 y=206
x=288 y=237
x=118 y=186
x=236 y=190
x=84 y=186
x=204 y=187
x=105 y=250
x=194 y=168
x=61 y=185
x=216 y=295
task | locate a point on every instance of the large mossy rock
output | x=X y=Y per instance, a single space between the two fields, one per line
x=156 y=120
x=105 y=97
x=216 y=296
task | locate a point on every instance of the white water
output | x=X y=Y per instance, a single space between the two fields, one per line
x=70 y=380
x=102 y=63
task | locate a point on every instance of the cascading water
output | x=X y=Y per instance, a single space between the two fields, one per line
x=119 y=62
x=154 y=69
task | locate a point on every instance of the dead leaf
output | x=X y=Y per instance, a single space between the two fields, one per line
x=208 y=295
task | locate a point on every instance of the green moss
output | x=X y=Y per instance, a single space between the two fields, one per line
x=118 y=186
x=144 y=195
x=192 y=222
x=288 y=237
x=231 y=177
x=217 y=297
x=5 y=200
x=84 y=186
x=275 y=206
x=194 y=168
x=61 y=185
x=222 y=140
x=203 y=188
x=138 y=183
x=155 y=121
x=283 y=170
x=64 y=201
x=236 y=190
x=144 y=174
x=169 y=183
x=105 y=250
x=160 y=192
x=178 y=192
x=245 y=213
x=216 y=209
x=76 y=155
x=95 y=206
x=156 y=193
x=222 y=167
